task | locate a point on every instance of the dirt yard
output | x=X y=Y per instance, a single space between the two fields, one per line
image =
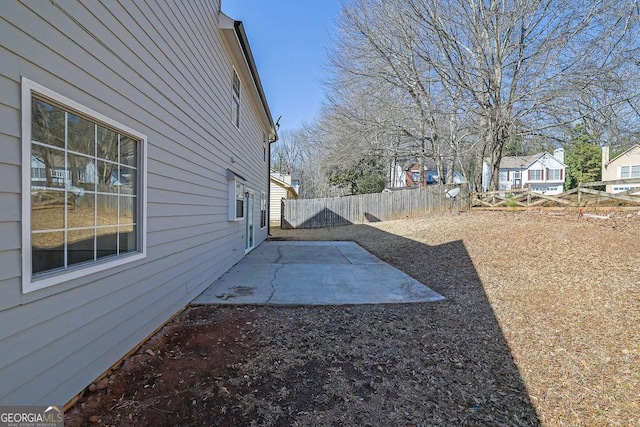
x=541 y=326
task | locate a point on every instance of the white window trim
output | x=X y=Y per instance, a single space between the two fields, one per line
x=54 y=278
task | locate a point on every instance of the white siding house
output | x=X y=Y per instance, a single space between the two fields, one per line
x=134 y=172
x=542 y=172
x=281 y=187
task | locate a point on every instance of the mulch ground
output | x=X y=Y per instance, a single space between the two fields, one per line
x=541 y=326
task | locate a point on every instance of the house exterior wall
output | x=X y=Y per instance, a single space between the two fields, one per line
x=275 y=208
x=612 y=170
x=165 y=71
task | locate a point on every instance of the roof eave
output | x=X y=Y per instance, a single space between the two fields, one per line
x=229 y=25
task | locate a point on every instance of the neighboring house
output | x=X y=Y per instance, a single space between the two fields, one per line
x=542 y=173
x=280 y=188
x=135 y=145
x=296 y=180
x=412 y=174
x=623 y=166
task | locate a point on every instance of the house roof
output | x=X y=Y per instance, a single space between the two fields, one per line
x=521 y=162
x=633 y=147
x=284 y=185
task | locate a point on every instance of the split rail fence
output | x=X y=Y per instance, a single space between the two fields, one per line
x=366 y=208
x=583 y=195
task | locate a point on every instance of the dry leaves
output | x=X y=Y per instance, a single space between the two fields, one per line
x=541 y=326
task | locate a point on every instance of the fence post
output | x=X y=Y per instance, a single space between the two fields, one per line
x=579 y=194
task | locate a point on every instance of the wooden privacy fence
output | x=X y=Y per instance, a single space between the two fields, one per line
x=364 y=208
x=583 y=195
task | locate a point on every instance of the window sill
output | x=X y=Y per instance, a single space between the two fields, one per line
x=51 y=279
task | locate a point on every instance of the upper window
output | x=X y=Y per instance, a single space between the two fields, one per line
x=630 y=171
x=535 y=175
x=415 y=176
x=554 y=174
x=503 y=176
x=83 y=189
x=235 y=100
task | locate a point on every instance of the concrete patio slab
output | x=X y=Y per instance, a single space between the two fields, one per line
x=314 y=273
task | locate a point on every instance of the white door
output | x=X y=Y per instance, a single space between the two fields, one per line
x=248 y=203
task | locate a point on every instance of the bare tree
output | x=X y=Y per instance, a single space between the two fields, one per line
x=514 y=67
x=374 y=46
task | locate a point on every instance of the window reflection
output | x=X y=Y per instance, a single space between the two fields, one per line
x=107 y=242
x=47 y=123
x=128 y=151
x=47 y=210
x=80 y=246
x=107 y=176
x=107 y=144
x=127 y=210
x=81 y=211
x=83 y=189
x=81 y=135
x=47 y=168
x=127 y=178
x=82 y=172
x=128 y=240
x=48 y=251
x=107 y=210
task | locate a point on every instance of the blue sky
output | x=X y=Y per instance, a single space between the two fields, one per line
x=288 y=39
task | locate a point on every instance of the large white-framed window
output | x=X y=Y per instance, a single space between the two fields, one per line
x=83 y=190
x=235 y=100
